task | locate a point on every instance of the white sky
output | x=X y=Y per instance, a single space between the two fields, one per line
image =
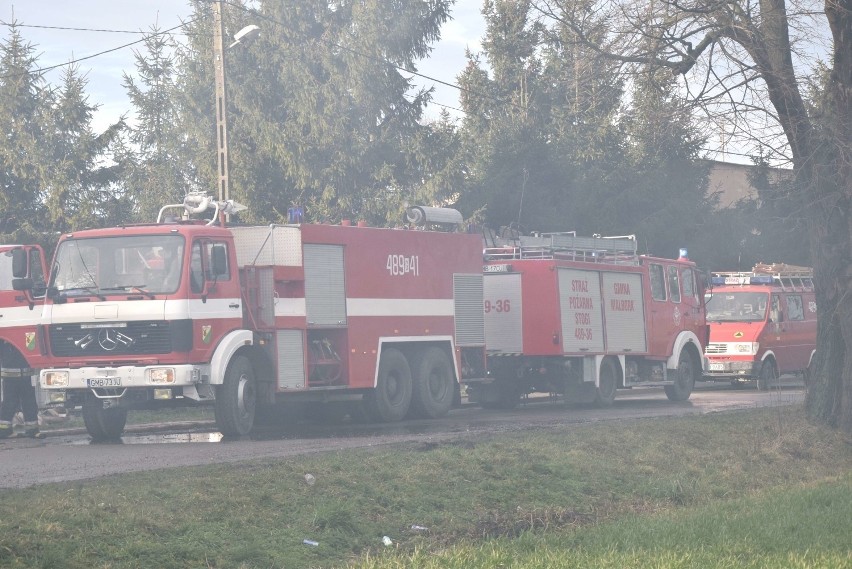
x=104 y=72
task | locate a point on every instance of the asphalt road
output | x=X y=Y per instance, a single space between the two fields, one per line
x=69 y=456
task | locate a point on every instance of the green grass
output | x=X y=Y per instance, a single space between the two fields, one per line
x=748 y=489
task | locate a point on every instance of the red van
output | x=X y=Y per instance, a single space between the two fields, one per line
x=763 y=324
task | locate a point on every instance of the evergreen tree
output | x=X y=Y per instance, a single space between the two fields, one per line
x=157 y=158
x=541 y=128
x=318 y=113
x=80 y=179
x=662 y=192
x=24 y=102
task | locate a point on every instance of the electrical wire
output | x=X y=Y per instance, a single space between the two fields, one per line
x=42 y=70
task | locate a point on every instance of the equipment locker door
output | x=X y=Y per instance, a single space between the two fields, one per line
x=503 y=312
x=581 y=311
x=625 y=312
x=325 y=292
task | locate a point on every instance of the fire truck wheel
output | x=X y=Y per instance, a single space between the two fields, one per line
x=236 y=399
x=607 y=383
x=684 y=379
x=766 y=379
x=103 y=424
x=390 y=400
x=433 y=390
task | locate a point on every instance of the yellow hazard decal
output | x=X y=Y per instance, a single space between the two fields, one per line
x=738 y=334
x=30 y=340
x=206 y=333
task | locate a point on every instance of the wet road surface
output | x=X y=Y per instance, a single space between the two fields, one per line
x=72 y=455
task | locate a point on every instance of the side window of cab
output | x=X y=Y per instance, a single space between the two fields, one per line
x=196 y=268
x=658 y=282
x=674 y=283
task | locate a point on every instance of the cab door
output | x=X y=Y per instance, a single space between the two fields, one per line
x=215 y=303
x=794 y=347
x=693 y=306
x=660 y=313
x=20 y=312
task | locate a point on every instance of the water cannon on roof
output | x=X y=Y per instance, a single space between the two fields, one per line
x=200 y=203
x=444 y=217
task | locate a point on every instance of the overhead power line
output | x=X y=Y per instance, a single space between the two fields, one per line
x=41 y=70
x=14 y=25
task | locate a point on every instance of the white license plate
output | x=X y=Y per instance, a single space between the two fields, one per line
x=104 y=382
x=717 y=367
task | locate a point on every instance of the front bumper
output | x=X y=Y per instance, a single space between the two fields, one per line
x=123 y=377
x=731 y=369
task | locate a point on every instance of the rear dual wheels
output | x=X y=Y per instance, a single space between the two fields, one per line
x=391 y=398
x=434 y=383
x=423 y=384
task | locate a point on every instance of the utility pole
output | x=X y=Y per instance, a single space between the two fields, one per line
x=221 y=104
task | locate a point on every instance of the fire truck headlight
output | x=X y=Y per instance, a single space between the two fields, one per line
x=161 y=375
x=748 y=348
x=55 y=379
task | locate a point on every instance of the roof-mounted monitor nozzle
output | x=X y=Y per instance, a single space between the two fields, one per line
x=445 y=217
x=199 y=203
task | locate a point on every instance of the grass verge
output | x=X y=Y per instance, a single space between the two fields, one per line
x=724 y=490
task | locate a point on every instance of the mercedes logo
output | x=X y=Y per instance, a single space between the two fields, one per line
x=108 y=339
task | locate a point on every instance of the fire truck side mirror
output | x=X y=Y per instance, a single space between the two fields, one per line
x=218 y=260
x=19 y=263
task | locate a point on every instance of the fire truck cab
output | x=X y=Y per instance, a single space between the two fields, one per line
x=763 y=324
x=22 y=286
x=188 y=311
x=585 y=316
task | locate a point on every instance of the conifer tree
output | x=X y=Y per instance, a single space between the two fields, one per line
x=24 y=102
x=156 y=157
x=319 y=113
x=80 y=179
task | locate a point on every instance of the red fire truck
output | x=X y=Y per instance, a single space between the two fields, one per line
x=584 y=316
x=763 y=324
x=20 y=308
x=189 y=311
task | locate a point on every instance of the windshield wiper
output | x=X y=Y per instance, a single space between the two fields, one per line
x=138 y=288
x=93 y=291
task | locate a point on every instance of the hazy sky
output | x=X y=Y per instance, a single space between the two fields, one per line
x=104 y=72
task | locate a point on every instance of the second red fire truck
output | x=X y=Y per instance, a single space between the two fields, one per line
x=187 y=311
x=585 y=316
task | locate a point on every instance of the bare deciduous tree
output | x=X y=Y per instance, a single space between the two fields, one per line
x=747 y=64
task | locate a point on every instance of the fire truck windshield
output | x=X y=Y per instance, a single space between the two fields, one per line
x=737 y=306
x=136 y=264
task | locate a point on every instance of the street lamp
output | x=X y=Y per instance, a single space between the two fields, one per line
x=245 y=35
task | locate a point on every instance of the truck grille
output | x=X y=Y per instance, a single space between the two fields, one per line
x=130 y=338
x=717 y=348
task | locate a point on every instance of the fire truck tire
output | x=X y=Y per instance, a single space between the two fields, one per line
x=607 y=383
x=391 y=398
x=434 y=383
x=103 y=424
x=767 y=376
x=684 y=379
x=236 y=399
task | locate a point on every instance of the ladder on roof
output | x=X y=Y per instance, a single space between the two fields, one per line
x=790 y=278
x=621 y=250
